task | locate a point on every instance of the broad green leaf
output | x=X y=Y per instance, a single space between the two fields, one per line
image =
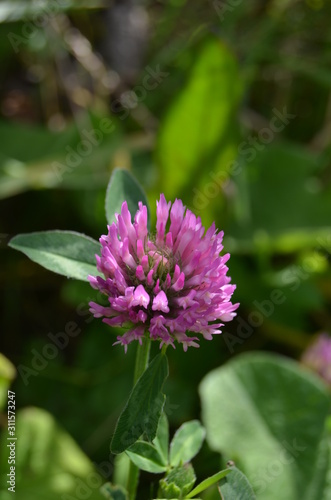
x=198 y=139
x=7 y=375
x=186 y=442
x=208 y=482
x=123 y=187
x=145 y=456
x=161 y=441
x=178 y=482
x=143 y=408
x=235 y=486
x=268 y=413
x=64 y=252
x=112 y=492
x=49 y=464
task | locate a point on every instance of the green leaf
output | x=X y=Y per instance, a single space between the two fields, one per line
x=114 y=492
x=235 y=486
x=178 y=482
x=143 y=408
x=145 y=456
x=208 y=482
x=7 y=375
x=64 y=252
x=124 y=187
x=186 y=442
x=257 y=409
x=189 y=157
x=49 y=464
x=161 y=441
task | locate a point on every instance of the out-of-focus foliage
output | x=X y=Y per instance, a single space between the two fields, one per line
x=225 y=104
x=199 y=133
x=49 y=463
x=267 y=425
x=7 y=374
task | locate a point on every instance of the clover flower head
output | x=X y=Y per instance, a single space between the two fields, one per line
x=172 y=286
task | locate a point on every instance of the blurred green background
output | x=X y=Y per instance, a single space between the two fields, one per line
x=223 y=104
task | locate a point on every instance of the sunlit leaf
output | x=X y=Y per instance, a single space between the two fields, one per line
x=197 y=140
x=145 y=456
x=64 y=252
x=186 y=442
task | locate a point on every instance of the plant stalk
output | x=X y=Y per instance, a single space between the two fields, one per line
x=142 y=359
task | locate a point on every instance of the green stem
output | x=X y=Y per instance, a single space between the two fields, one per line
x=142 y=358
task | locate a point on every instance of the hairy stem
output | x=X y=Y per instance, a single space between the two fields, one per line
x=142 y=358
